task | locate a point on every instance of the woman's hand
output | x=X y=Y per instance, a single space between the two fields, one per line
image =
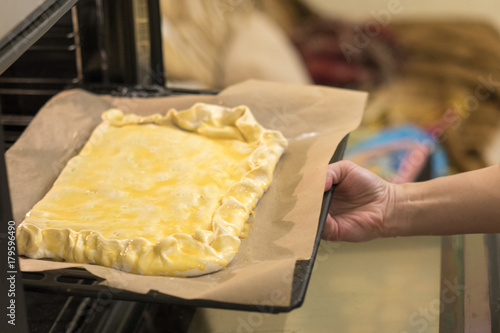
x=361 y=206
x=365 y=207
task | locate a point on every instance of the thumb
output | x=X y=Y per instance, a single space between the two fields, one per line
x=337 y=172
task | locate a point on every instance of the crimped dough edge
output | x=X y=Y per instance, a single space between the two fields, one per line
x=215 y=249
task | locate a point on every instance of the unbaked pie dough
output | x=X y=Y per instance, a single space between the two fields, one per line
x=157 y=195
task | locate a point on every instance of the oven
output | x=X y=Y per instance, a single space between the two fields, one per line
x=102 y=46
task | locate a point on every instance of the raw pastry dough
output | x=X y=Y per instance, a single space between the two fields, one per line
x=157 y=195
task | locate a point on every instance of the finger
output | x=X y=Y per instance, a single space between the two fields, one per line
x=330 y=231
x=329 y=180
x=338 y=171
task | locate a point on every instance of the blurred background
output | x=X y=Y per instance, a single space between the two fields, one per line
x=431 y=69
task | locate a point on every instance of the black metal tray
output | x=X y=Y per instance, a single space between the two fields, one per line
x=79 y=282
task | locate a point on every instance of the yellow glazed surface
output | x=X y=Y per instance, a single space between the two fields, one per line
x=157 y=195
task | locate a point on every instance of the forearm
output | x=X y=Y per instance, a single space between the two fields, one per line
x=458 y=204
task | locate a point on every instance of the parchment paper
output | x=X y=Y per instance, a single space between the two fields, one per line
x=314 y=119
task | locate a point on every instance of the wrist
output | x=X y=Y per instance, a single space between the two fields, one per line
x=398 y=218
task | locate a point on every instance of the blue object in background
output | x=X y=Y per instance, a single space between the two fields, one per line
x=399 y=154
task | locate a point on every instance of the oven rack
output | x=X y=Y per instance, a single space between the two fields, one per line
x=25 y=86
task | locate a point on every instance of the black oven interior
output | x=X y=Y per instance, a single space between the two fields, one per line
x=101 y=46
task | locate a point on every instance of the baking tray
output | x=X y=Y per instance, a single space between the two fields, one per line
x=79 y=282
